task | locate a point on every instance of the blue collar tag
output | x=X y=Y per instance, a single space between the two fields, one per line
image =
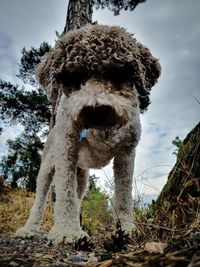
x=83 y=134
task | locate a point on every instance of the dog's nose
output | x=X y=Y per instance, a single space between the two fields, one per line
x=100 y=116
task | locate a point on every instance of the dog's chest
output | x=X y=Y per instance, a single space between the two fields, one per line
x=96 y=149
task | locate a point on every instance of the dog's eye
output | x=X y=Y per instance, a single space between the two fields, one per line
x=118 y=76
x=73 y=79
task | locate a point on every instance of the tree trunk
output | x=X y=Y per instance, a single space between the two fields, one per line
x=179 y=200
x=79 y=13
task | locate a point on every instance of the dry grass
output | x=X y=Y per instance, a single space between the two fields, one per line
x=153 y=223
x=171 y=221
x=15 y=206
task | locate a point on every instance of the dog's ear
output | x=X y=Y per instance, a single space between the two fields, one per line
x=149 y=71
x=47 y=70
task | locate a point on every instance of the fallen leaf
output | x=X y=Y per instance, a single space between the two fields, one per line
x=155 y=247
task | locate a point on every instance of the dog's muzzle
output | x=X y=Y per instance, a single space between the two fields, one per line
x=99 y=117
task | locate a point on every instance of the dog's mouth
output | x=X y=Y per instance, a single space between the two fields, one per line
x=99 y=117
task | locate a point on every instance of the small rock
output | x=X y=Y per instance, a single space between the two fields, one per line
x=65 y=254
x=13 y=263
x=28 y=249
x=80 y=257
x=92 y=258
x=38 y=255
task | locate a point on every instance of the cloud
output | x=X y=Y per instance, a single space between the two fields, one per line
x=31 y=22
x=8 y=66
x=8 y=133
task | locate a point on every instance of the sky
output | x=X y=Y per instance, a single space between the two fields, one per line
x=169 y=28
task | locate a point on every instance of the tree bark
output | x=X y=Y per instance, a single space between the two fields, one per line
x=179 y=200
x=79 y=14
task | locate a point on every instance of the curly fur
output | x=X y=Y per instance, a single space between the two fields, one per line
x=100 y=72
x=97 y=50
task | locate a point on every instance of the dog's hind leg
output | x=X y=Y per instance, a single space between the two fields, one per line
x=44 y=179
x=82 y=182
x=123 y=175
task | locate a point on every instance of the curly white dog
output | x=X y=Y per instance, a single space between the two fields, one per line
x=104 y=76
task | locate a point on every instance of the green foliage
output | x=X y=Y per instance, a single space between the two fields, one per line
x=29 y=60
x=144 y=103
x=178 y=143
x=117 y=5
x=144 y=214
x=28 y=108
x=21 y=165
x=95 y=209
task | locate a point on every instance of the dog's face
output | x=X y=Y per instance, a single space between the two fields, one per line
x=100 y=102
x=101 y=70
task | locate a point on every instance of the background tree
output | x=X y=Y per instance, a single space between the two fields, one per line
x=20 y=166
x=26 y=105
x=30 y=109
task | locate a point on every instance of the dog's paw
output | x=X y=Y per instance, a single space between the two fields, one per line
x=65 y=235
x=26 y=232
x=127 y=226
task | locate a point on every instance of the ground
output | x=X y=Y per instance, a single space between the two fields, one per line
x=152 y=245
x=15 y=251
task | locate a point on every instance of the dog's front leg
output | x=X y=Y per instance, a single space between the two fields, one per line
x=123 y=175
x=67 y=207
